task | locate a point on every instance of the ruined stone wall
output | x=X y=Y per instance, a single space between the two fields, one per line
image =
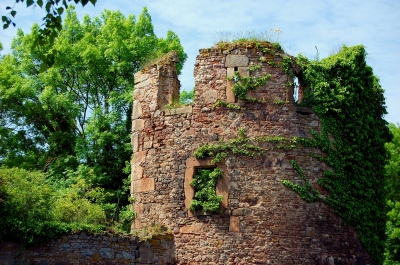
x=262 y=222
x=86 y=248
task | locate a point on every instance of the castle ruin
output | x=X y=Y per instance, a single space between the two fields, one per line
x=261 y=221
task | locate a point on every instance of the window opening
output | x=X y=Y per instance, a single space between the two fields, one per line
x=205 y=197
x=235 y=69
x=296 y=89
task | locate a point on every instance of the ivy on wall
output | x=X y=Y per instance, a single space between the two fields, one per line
x=347 y=97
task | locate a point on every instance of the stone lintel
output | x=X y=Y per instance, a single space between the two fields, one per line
x=181 y=110
x=233 y=60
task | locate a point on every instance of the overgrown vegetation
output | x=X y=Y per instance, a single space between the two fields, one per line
x=349 y=101
x=69 y=123
x=224 y=39
x=392 y=186
x=205 y=197
x=245 y=84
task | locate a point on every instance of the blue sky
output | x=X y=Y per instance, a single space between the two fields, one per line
x=304 y=24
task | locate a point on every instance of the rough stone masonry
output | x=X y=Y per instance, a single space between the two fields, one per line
x=262 y=222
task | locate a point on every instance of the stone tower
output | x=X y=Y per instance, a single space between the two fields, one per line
x=261 y=221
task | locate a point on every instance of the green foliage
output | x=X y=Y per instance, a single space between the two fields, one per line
x=253 y=68
x=52 y=24
x=273 y=64
x=80 y=203
x=244 y=84
x=392 y=251
x=227 y=105
x=306 y=191
x=349 y=101
x=392 y=186
x=35 y=209
x=186 y=97
x=172 y=42
x=27 y=212
x=224 y=38
x=392 y=167
x=243 y=145
x=205 y=197
x=75 y=117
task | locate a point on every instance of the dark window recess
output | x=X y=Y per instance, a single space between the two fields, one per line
x=235 y=78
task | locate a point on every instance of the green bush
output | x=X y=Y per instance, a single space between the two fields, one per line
x=78 y=204
x=392 y=250
x=26 y=211
x=34 y=210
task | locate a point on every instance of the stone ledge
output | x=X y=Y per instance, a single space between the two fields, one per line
x=181 y=110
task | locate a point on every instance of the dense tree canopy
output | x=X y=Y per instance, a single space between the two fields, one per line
x=392 y=253
x=74 y=118
x=52 y=20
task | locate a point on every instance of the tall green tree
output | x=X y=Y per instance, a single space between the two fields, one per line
x=392 y=251
x=74 y=118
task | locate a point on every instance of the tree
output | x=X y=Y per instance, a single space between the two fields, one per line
x=392 y=251
x=74 y=118
x=52 y=20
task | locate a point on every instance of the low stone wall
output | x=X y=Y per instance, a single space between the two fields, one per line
x=86 y=248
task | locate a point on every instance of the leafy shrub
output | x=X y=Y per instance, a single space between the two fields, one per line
x=26 y=211
x=78 y=204
x=392 y=251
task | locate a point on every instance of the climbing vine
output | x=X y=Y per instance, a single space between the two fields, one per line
x=244 y=84
x=347 y=97
x=243 y=145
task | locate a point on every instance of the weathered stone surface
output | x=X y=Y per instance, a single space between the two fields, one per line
x=243 y=71
x=143 y=84
x=234 y=224
x=85 y=248
x=230 y=97
x=233 y=60
x=135 y=141
x=180 y=110
x=142 y=185
x=138 y=124
x=210 y=96
x=136 y=172
x=230 y=71
x=147 y=144
x=137 y=110
x=261 y=220
x=140 y=77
